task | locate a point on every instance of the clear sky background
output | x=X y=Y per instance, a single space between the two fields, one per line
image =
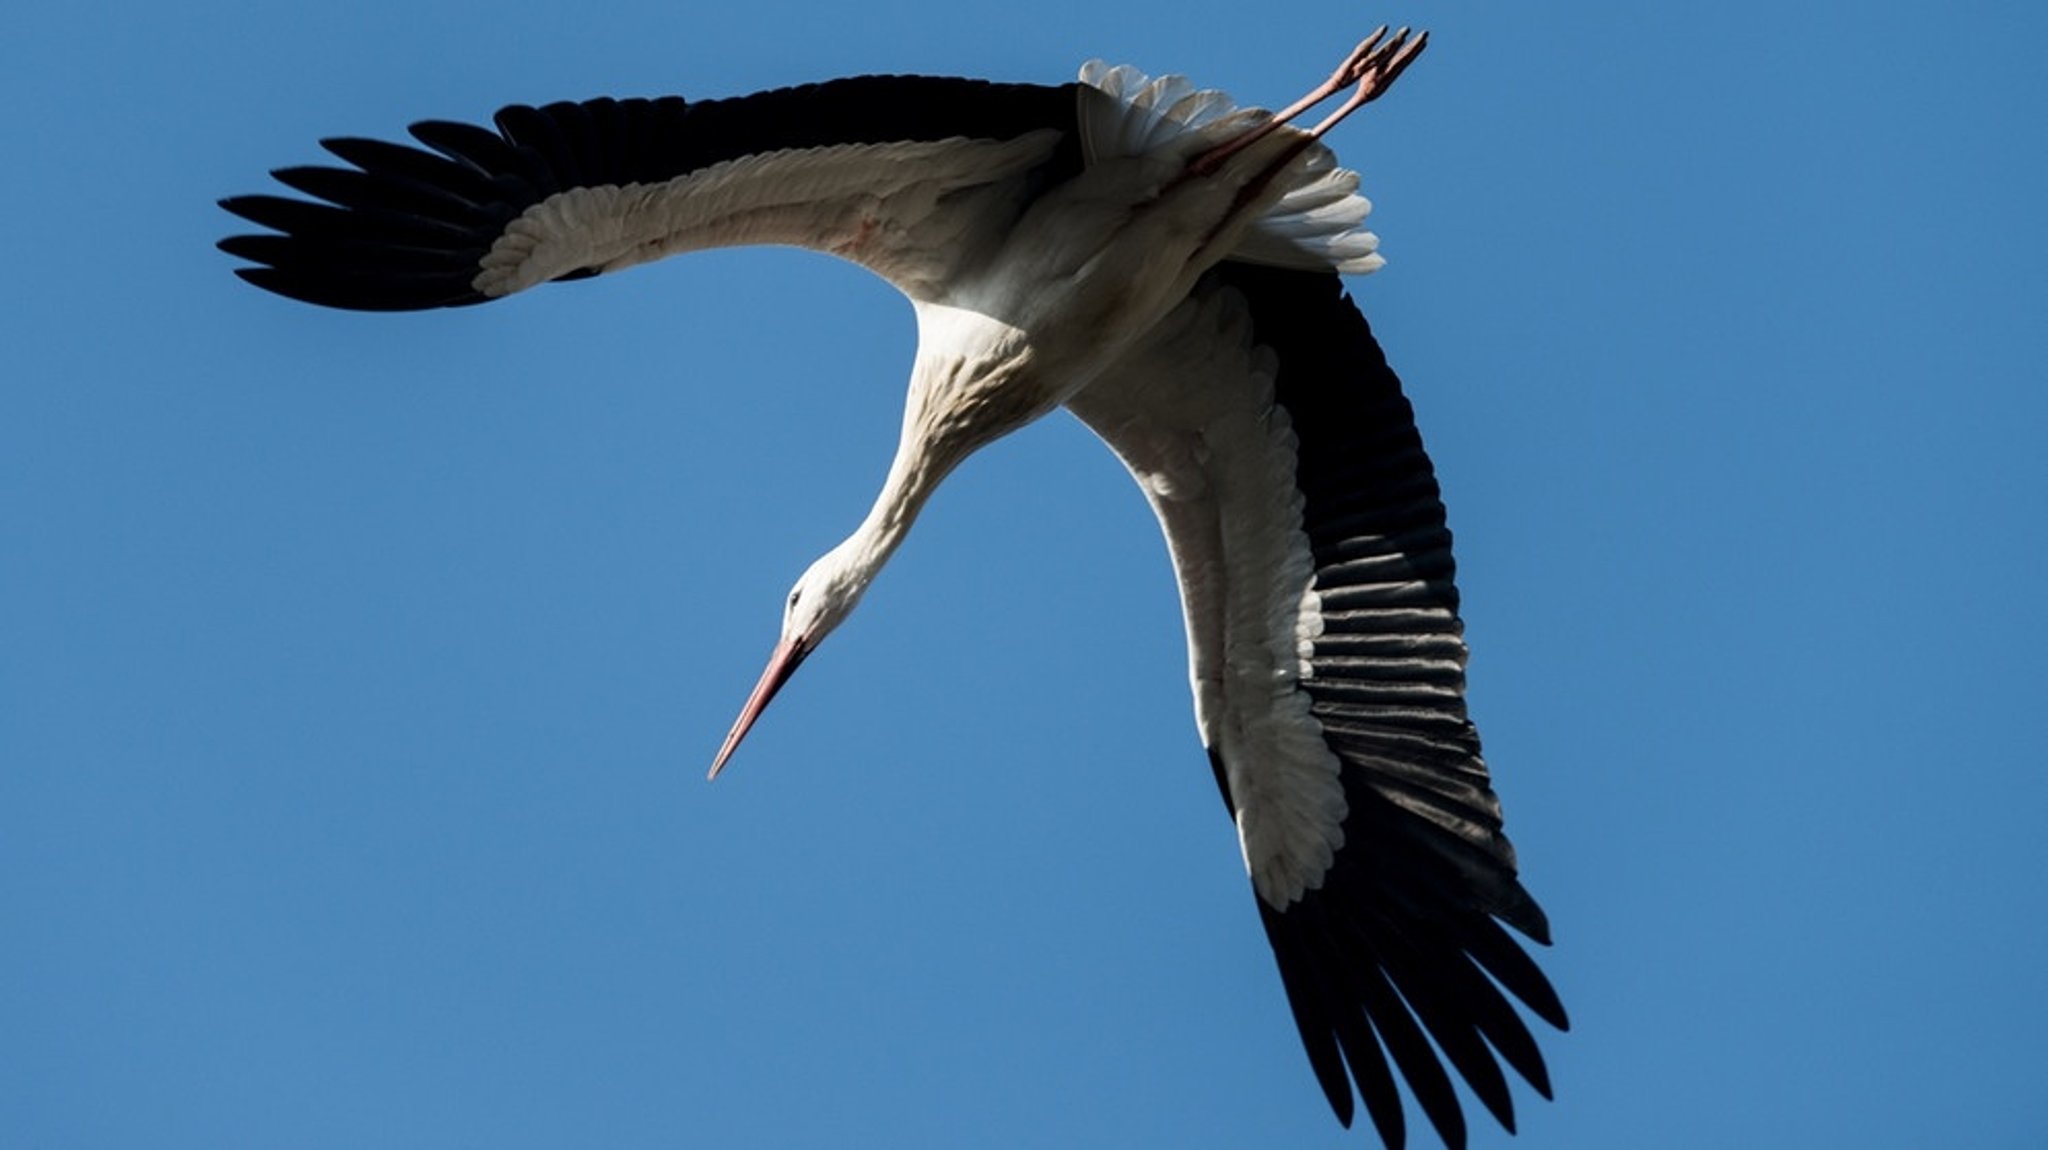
x=358 y=673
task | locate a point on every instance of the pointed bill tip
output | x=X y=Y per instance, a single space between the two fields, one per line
x=732 y=742
x=782 y=663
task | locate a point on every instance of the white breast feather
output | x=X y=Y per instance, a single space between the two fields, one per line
x=1316 y=226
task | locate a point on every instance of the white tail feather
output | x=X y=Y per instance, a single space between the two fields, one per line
x=1315 y=226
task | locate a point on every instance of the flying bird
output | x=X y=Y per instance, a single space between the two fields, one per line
x=1165 y=265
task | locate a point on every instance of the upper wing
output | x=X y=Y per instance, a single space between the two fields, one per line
x=1328 y=660
x=903 y=174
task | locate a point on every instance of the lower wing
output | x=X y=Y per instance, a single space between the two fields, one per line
x=1315 y=569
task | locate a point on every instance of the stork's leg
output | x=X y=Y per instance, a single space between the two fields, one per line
x=1374 y=84
x=1373 y=66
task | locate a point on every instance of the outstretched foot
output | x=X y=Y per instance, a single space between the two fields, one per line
x=1377 y=67
x=1373 y=66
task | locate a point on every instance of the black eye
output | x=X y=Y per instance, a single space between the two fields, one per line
x=794 y=595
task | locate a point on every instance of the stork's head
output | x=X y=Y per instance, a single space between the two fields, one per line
x=819 y=603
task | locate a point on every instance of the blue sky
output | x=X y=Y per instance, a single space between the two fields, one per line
x=358 y=673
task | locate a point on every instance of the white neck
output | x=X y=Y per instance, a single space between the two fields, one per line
x=963 y=393
x=913 y=475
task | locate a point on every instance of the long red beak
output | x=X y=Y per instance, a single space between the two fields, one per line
x=782 y=663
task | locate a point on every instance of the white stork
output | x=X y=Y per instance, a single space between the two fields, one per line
x=1165 y=265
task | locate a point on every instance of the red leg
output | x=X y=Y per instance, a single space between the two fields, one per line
x=1347 y=73
x=1372 y=65
x=1374 y=84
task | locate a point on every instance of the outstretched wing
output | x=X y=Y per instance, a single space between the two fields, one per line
x=903 y=174
x=1315 y=571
